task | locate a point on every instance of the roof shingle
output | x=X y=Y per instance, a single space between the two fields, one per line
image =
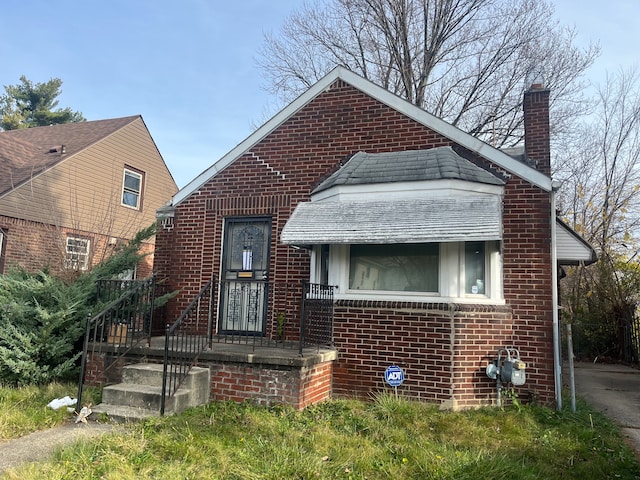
x=408 y=166
x=27 y=152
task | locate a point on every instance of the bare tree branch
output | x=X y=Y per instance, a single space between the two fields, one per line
x=465 y=61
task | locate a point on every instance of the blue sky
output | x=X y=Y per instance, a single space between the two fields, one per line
x=188 y=66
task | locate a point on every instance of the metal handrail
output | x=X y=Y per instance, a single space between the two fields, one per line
x=184 y=343
x=121 y=323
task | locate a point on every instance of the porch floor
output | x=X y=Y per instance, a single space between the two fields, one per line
x=240 y=353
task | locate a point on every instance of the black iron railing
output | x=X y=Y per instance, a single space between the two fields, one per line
x=316 y=320
x=184 y=342
x=122 y=323
x=278 y=315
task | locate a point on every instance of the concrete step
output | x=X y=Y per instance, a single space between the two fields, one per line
x=122 y=413
x=140 y=393
x=145 y=396
x=151 y=374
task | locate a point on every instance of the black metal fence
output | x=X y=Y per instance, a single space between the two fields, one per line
x=606 y=341
x=259 y=314
x=281 y=315
x=278 y=315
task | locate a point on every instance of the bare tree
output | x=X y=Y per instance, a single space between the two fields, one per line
x=466 y=61
x=600 y=168
x=600 y=198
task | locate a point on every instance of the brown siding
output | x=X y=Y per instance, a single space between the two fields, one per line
x=445 y=363
x=83 y=192
x=81 y=196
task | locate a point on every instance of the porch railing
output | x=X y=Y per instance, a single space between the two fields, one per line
x=295 y=315
x=258 y=314
x=123 y=322
x=184 y=342
x=316 y=319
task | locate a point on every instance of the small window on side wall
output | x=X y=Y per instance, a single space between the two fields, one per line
x=132 y=188
x=77 y=253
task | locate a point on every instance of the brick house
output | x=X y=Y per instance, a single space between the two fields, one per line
x=69 y=194
x=440 y=246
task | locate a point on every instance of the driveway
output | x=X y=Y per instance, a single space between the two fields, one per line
x=614 y=390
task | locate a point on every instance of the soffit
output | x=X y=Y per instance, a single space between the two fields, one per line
x=571 y=248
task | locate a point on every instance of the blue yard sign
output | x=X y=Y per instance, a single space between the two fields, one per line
x=394 y=376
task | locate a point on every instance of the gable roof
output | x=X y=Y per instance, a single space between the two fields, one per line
x=414 y=112
x=438 y=163
x=27 y=152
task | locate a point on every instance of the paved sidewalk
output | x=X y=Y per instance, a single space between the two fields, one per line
x=40 y=445
x=614 y=390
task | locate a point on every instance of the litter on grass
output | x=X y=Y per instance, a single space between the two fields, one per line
x=62 y=402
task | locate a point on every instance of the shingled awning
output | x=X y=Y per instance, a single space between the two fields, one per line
x=408 y=220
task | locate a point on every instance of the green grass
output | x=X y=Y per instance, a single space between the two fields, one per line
x=387 y=438
x=24 y=409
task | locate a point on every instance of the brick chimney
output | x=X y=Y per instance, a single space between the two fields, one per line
x=536 y=128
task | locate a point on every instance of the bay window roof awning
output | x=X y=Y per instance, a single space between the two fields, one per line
x=407 y=220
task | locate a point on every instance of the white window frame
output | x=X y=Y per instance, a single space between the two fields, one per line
x=451 y=279
x=77 y=260
x=128 y=190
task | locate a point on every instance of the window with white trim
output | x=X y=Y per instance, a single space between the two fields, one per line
x=132 y=184
x=394 y=267
x=474 y=268
x=449 y=271
x=77 y=253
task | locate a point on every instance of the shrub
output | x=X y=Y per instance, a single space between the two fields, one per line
x=42 y=318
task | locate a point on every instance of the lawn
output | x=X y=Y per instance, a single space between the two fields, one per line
x=386 y=438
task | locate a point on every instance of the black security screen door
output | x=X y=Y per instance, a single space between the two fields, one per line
x=245 y=275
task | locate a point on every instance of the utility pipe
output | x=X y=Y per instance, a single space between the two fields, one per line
x=555 y=185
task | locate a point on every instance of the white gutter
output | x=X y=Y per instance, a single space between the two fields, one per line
x=554 y=302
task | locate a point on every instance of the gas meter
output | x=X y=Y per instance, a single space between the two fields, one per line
x=509 y=369
x=512 y=370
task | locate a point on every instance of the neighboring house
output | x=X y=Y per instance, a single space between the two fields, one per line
x=440 y=246
x=69 y=194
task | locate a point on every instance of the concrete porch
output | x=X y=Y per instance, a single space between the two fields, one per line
x=237 y=372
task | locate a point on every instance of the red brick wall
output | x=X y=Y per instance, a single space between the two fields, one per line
x=420 y=338
x=527 y=284
x=282 y=169
x=261 y=384
x=35 y=246
x=536 y=125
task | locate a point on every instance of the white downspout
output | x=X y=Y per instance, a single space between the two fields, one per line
x=555 y=185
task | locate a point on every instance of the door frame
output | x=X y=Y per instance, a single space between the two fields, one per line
x=246 y=283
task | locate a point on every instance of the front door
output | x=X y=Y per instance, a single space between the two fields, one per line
x=245 y=273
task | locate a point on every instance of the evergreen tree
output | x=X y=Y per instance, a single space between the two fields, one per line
x=32 y=105
x=42 y=318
